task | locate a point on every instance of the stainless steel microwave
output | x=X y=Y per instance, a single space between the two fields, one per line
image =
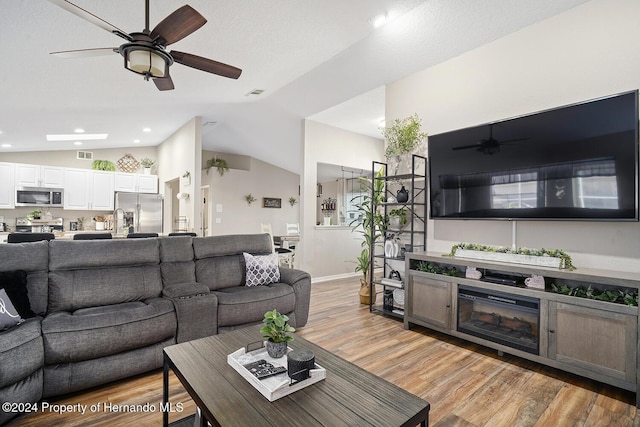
x=32 y=196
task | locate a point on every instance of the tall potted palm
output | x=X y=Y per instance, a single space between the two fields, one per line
x=370 y=224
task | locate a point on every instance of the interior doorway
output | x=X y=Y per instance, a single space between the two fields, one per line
x=171 y=205
x=205 y=212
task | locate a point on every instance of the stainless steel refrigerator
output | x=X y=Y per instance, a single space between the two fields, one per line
x=138 y=213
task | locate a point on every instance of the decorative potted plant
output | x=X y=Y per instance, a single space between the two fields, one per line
x=249 y=199
x=147 y=163
x=398 y=218
x=292 y=201
x=404 y=138
x=370 y=224
x=220 y=164
x=103 y=165
x=275 y=330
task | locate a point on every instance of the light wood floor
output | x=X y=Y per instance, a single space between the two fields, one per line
x=466 y=384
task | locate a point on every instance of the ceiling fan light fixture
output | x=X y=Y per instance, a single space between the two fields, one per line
x=145 y=62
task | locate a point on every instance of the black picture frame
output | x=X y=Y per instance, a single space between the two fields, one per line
x=73 y=226
x=271 y=202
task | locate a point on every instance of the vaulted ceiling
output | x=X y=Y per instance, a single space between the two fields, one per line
x=318 y=58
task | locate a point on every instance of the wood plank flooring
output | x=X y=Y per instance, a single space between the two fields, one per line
x=466 y=384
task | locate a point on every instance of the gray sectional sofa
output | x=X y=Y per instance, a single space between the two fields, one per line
x=106 y=308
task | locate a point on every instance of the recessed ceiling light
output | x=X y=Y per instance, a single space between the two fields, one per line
x=78 y=130
x=5 y=145
x=146 y=130
x=379 y=20
x=77 y=143
x=74 y=137
x=136 y=141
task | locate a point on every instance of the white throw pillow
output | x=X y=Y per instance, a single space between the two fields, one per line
x=261 y=269
x=9 y=316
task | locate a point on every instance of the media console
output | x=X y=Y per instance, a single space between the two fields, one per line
x=587 y=337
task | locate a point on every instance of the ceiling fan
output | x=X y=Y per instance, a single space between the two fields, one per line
x=488 y=146
x=144 y=52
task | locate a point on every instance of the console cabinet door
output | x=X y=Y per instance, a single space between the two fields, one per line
x=595 y=340
x=429 y=301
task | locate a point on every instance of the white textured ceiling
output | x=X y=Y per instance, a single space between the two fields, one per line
x=307 y=55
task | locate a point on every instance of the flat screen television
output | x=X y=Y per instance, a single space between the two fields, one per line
x=577 y=162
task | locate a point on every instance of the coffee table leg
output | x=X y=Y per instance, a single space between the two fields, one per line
x=165 y=392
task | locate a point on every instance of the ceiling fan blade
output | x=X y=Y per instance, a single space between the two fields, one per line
x=178 y=25
x=204 y=64
x=164 y=83
x=90 y=17
x=85 y=53
x=466 y=147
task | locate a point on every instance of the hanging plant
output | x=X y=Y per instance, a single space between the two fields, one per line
x=249 y=199
x=292 y=201
x=220 y=164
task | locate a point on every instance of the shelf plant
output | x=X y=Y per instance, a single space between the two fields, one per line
x=398 y=218
x=403 y=138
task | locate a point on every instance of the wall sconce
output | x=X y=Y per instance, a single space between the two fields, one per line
x=182 y=196
x=319 y=190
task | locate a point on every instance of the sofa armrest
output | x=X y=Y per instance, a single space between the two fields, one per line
x=185 y=290
x=196 y=310
x=301 y=283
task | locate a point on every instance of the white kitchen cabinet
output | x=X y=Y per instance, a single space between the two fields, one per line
x=76 y=194
x=148 y=184
x=7 y=186
x=136 y=183
x=101 y=191
x=88 y=190
x=38 y=176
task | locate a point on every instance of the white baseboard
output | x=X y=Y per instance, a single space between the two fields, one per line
x=339 y=276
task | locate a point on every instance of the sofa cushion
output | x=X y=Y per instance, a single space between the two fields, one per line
x=219 y=260
x=100 y=331
x=34 y=259
x=242 y=304
x=21 y=351
x=66 y=378
x=88 y=273
x=233 y=244
x=177 y=263
x=75 y=289
x=261 y=269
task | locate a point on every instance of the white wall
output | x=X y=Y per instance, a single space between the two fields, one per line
x=262 y=179
x=584 y=53
x=182 y=152
x=328 y=251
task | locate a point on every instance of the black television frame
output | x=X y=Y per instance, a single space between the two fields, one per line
x=628 y=218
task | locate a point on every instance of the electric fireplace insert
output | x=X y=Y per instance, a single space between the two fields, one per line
x=507 y=319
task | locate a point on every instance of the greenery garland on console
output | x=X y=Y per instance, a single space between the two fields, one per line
x=618 y=296
x=555 y=253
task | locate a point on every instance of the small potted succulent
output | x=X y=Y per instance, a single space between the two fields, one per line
x=275 y=330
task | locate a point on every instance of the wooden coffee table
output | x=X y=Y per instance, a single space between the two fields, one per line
x=349 y=395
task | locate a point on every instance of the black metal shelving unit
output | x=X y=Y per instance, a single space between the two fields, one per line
x=411 y=237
